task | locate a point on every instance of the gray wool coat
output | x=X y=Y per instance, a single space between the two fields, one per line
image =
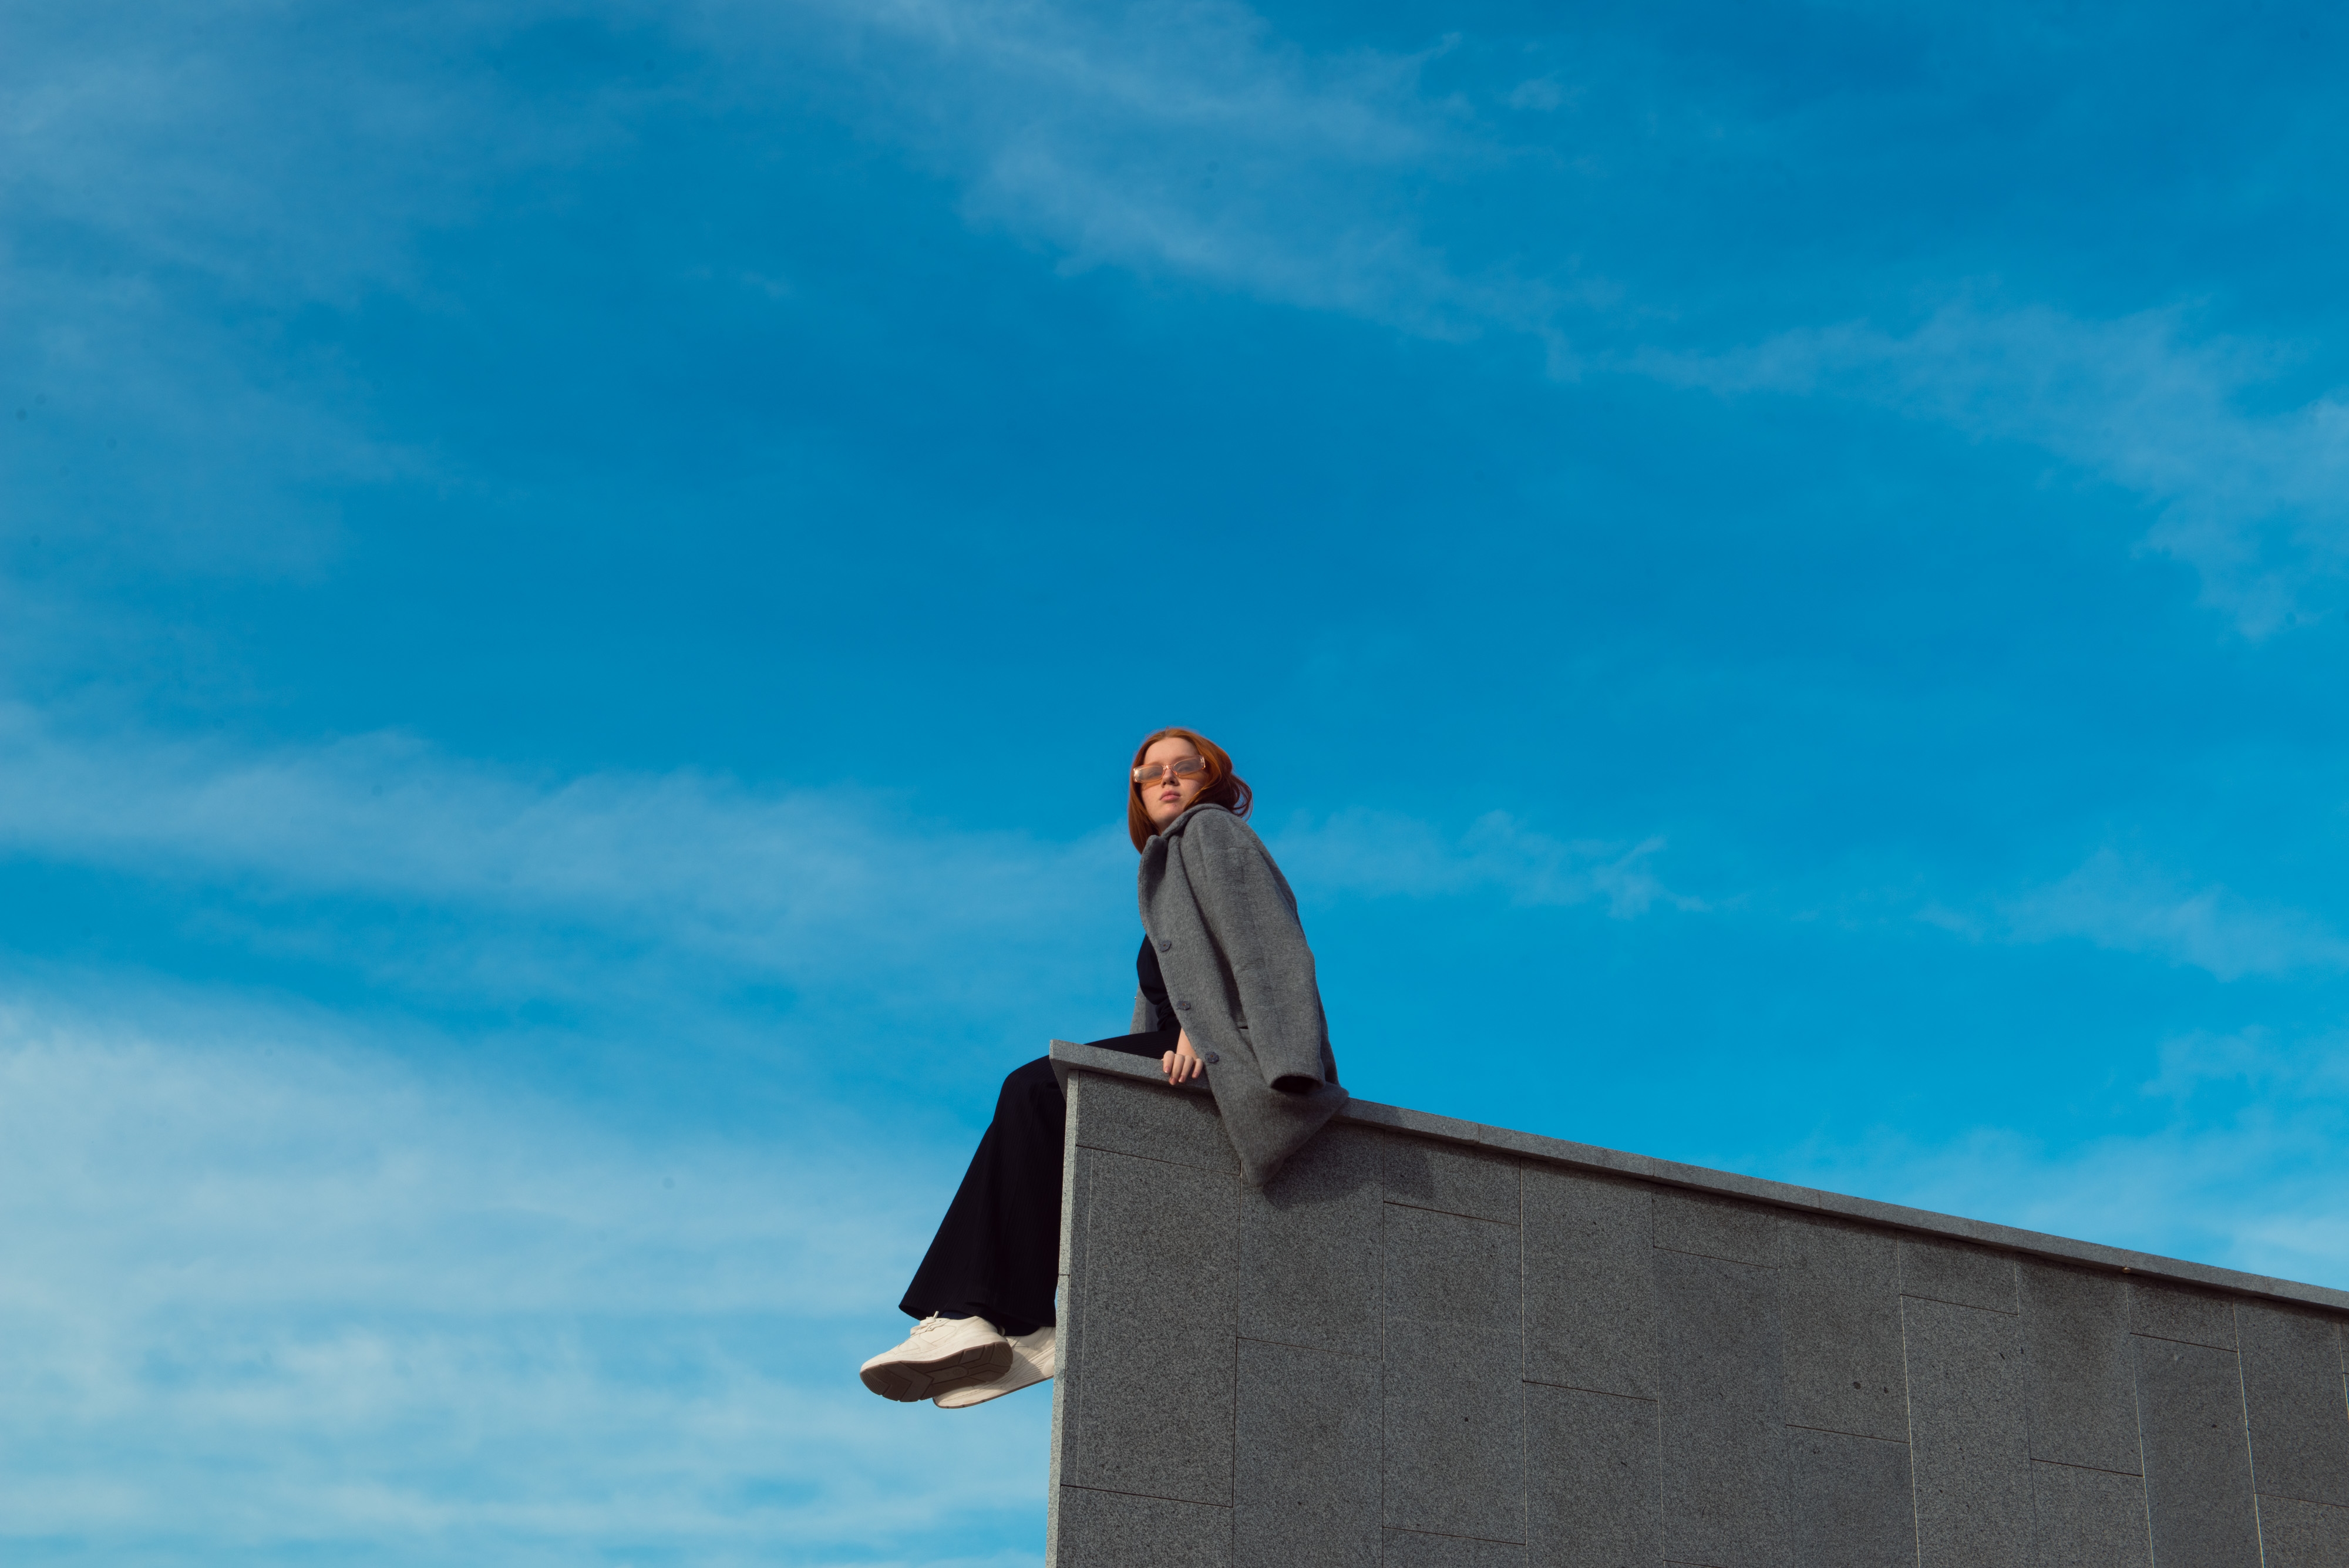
x=1240 y=979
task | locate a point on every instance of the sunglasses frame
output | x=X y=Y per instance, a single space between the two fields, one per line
x=1164 y=770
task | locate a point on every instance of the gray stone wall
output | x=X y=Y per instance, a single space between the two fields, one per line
x=1435 y=1345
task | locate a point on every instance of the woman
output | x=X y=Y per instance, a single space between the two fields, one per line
x=1226 y=993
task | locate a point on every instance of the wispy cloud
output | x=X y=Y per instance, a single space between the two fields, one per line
x=2255 y=502
x=1189 y=140
x=835 y=892
x=268 y=1288
x=787 y=879
x=2247 y=1169
x=183 y=181
x=2252 y=1061
x=2117 y=903
x=1185 y=139
x=1381 y=854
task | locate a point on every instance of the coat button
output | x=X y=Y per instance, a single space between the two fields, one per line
x=1211 y=1058
x=1181 y=1007
x=1167 y=946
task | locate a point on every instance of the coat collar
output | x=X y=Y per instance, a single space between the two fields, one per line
x=1176 y=827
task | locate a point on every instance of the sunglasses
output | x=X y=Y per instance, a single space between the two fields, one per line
x=1181 y=767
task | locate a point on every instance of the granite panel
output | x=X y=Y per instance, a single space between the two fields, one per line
x=1445 y=1272
x=1453 y=1431
x=2177 y=1312
x=2087 y=1519
x=1114 y=1530
x=1591 y=1480
x=1306 y=1481
x=1412 y=1549
x=1958 y=1274
x=1151 y=1122
x=2291 y=1394
x=1849 y=1503
x=1472 y=1181
x=2079 y=1367
x=1453 y=1395
x=1310 y=1247
x=1969 y=1426
x=1717 y=1227
x=1722 y=1439
x=2198 y=1460
x=1842 y=1348
x=2297 y=1534
x=1155 y=1287
x=1590 y=1283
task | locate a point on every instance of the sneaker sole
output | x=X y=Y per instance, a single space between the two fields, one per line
x=909 y=1382
x=982 y=1396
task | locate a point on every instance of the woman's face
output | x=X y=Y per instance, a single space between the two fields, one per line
x=1167 y=797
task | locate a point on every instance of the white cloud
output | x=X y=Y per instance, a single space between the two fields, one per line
x=1185 y=139
x=2254 y=501
x=1384 y=854
x=2259 y=1189
x=1540 y=94
x=1189 y=140
x=2247 y=1167
x=267 y=1289
x=183 y=181
x=1182 y=138
x=2114 y=903
x=802 y=885
x=286 y=164
x=432 y=874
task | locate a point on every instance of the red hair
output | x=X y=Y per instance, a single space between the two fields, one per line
x=1224 y=787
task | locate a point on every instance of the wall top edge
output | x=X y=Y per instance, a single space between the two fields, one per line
x=1068 y=1056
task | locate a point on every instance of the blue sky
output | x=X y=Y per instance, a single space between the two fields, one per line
x=576 y=582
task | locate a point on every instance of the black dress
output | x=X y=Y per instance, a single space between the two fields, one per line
x=997 y=1255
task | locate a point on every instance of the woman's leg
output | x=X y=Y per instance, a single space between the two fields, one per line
x=997 y=1255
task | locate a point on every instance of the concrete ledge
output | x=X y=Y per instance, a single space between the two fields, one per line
x=1431 y=1344
x=1067 y=1055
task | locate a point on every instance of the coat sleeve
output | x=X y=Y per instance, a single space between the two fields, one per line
x=1252 y=917
x=1145 y=1015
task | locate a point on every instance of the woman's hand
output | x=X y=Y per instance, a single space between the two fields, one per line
x=1182 y=1063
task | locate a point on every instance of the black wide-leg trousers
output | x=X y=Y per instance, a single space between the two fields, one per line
x=997 y=1255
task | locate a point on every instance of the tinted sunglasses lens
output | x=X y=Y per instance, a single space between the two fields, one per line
x=1182 y=768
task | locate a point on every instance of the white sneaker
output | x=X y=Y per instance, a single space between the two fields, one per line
x=1033 y=1359
x=942 y=1353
